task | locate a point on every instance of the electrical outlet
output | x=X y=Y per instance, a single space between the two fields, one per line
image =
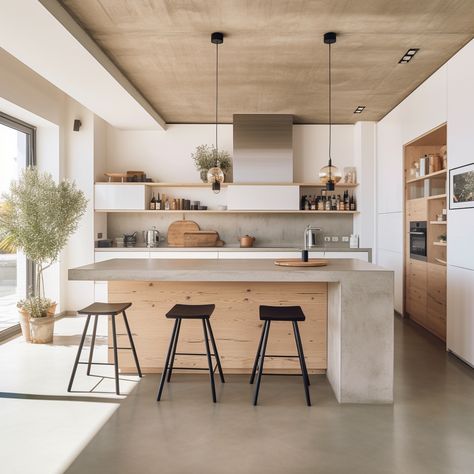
x=327 y=238
x=345 y=238
x=99 y=235
x=335 y=238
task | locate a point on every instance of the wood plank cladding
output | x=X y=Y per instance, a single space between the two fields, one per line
x=235 y=323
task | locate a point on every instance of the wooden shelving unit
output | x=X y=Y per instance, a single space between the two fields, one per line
x=425 y=198
x=436 y=174
x=211 y=211
x=207 y=185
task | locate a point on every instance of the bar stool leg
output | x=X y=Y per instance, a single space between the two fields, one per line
x=173 y=354
x=261 y=360
x=214 y=346
x=91 y=353
x=209 y=361
x=79 y=350
x=132 y=344
x=165 y=367
x=254 y=370
x=304 y=372
x=114 y=334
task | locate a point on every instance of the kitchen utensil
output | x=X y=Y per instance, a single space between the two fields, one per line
x=136 y=176
x=202 y=238
x=130 y=240
x=246 y=241
x=293 y=262
x=304 y=255
x=176 y=232
x=116 y=176
x=151 y=237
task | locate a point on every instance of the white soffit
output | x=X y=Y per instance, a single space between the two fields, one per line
x=43 y=36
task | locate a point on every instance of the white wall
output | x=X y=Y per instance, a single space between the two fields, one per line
x=421 y=111
x=166 y=156
x=61 y=152
x=460 y=337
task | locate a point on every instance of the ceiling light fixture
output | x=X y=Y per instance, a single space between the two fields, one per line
x=215 y=175
x=359 y=109
x=407 y=57
x=329 y=175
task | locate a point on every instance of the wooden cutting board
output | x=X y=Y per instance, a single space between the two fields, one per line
x=202 y=238
x=176 y=232
x=295 y=262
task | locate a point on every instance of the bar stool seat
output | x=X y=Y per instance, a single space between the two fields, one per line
x=104 y=309
x=191 y=311
x=281 y=313
x=268 y=314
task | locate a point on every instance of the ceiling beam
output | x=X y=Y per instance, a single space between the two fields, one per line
x=45 y=37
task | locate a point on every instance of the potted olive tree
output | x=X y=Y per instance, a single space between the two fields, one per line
x=37 y=217
x=205 y=158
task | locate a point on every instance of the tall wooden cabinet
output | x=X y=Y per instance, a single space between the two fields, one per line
x=425 y=201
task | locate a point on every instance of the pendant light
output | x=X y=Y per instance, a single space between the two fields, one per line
x=329 y=175
x=215 y=175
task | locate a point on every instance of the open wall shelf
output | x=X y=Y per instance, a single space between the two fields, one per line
x=211 y=211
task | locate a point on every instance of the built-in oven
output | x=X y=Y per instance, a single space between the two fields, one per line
x=418 y=240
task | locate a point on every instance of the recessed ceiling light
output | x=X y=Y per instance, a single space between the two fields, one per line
x=359 y=109
x=408 y=55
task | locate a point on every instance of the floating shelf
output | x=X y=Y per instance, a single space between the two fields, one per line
x=207 y=185
x=437 y=174
x=223 y=212
x=440 y=244
x=438 y=222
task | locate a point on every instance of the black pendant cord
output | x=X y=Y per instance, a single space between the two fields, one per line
x=330 y=111
x=217 y=100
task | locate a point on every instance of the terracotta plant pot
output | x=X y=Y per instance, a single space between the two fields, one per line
x=42 y=329
x=24 y=318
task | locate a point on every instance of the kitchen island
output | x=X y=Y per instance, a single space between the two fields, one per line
x=349 y=307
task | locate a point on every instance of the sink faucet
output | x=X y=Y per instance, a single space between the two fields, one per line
x=310 y=236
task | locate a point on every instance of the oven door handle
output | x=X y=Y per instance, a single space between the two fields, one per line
x=417 y=233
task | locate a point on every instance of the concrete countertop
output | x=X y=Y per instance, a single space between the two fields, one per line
x=218 y=270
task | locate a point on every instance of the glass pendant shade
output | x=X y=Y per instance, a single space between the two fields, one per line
x=330 y=175
x=215 y=176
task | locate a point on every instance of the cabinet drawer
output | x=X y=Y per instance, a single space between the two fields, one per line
x=417 y=210
x=183 y=255
x=121 y=196
x=437 y=282
x=364 y=256
x=258 y=255
x=416 y=274
x=103 y=256
x=416 y=311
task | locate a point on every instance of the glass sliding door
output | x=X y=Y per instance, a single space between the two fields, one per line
x=17 y=150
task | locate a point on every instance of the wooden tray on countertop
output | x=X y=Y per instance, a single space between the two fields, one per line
x=202 y=238
x=297 y=262
x=176 y=232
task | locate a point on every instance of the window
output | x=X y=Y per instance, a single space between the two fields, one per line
x=17 y=150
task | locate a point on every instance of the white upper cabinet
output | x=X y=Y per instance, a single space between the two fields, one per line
x=263 y=198
x=110 y=196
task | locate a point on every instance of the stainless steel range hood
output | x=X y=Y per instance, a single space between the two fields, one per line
x=263 y=148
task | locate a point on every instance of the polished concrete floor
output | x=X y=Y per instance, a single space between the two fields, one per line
x=429 y=429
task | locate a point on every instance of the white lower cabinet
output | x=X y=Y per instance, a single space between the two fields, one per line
x=103 y=256
x=364 y=256
x=257 y=255
x=184 y=255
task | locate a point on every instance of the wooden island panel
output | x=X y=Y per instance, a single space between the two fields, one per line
x=235 y=323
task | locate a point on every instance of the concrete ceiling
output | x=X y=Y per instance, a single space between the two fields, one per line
x=273 y=59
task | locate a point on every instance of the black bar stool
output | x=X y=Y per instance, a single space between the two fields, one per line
x=191 y=311
x=104 y=309
x=268 y=314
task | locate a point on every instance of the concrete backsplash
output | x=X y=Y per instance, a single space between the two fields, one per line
x=270 y=230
